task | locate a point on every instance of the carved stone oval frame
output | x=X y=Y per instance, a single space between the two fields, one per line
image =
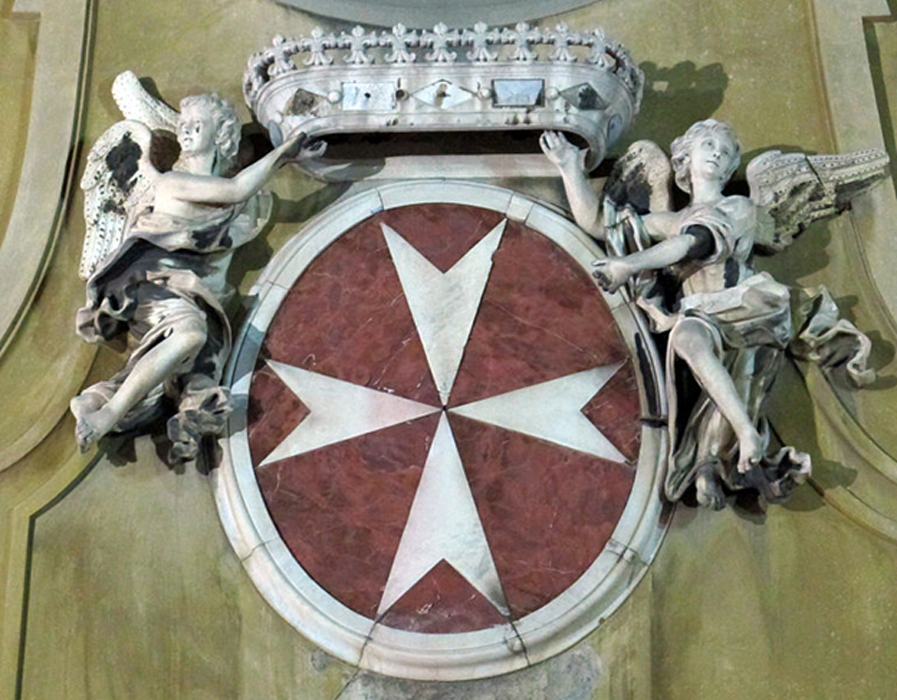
x=356 y=639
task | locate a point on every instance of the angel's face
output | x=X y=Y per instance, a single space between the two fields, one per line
x=712 y=156
x=196 y=131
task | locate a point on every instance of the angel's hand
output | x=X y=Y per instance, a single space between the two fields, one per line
x=291 y=149
x=311 y=149
x=612 y=273
x=301 y=147
x=750 y=452
x=565 y=156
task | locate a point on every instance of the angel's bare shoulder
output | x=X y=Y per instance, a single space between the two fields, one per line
x=739 y=204
x=662 y=224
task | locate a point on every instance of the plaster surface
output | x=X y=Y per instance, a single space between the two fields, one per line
x=131 y=572
x=341 y=503
x=18 y=36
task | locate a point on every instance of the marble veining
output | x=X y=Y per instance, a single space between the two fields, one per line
x=441 y=522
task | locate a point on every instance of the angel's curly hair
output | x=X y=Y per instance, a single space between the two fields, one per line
x=227 y=126
x=681 y=150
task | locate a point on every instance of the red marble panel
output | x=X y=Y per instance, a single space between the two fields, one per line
x=341 y=509
x=541 y=318
x=547 y=511
x=442 y=602
x=615 y=411
x=442 y=233
x=347 y=317
x=273 y=411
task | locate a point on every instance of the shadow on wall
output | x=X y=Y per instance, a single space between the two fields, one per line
x=792 y=404
x=807 y=255
x=674 y=99
x=121 y=448
x=257 y=253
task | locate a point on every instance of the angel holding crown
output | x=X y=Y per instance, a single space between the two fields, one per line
x=730 y=327
x=156 y=254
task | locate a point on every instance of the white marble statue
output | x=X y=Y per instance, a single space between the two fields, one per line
x=729 y=326
x=156 y=252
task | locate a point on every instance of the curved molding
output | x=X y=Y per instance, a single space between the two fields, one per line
x=361 y=641
x=426 y=13
x=63 y=380
x=48 y=168
x=33 y=492
x=871 y=498
x=855 y=124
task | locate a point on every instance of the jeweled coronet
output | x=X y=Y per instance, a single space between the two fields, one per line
x=470 y=81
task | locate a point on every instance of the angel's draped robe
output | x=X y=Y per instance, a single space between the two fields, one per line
x=754 y=321
x=167 y=271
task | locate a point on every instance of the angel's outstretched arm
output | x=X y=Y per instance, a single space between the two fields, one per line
x=693 y=243
x=209 y=189
x=569 y=160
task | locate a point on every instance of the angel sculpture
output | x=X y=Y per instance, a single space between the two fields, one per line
x=156 y=253
x=691 y=271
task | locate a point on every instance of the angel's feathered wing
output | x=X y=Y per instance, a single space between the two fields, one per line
x=119 y=178
x=138 y=105
x=640 y=182
x=642 y=178
x=794 y=189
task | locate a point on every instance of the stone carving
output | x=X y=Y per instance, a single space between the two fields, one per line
x=562 y=39
x=522 y=37
x=439 y=40
x=692 y=272
x=358 y=44
x=283 y=61
x=400 y=41
x=501 y=80
x=600 y=54
x=557 y=45
x=156 y=252
x=569 y=422
x=479 y=39
x=316 y=46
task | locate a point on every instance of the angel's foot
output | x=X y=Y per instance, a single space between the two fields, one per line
x=709 y=489
x=751 y=449
x=92 y=426
x=86 y=403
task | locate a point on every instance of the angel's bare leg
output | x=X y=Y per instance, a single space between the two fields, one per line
x=692 y=342
x=161 y=362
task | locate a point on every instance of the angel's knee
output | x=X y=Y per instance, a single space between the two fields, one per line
x=190 y=336
x=691 y=340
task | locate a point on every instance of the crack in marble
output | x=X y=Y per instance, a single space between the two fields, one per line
x=279 y=476
x=391 y=358
x=256 y=546
x=536 y=326
x=520 y=641
x=625 y=552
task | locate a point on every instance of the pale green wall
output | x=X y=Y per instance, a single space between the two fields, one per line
x=133 y=590
x=18 y=38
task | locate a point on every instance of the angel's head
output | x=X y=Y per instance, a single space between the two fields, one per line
x=709 y=150
x=206 y=122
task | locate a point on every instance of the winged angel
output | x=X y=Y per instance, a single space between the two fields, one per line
x=156 y=253
x=692 y=272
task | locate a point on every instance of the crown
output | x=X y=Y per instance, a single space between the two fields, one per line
x=511 y=83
